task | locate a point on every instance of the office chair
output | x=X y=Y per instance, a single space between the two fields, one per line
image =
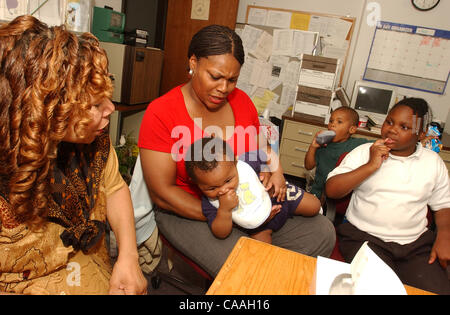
x=337 y=206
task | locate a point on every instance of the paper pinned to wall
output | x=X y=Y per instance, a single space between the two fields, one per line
x=293 y=43
x=335 y=29
x=279 y=64
x=304 y=42
x=250 y=36
x=263 y=47
x=200 y=10
x=50 y=12
x=291 y=73
x=262 y=98
x=288 y=95
x=257 y=16
x=261 y=74
x=280 y=19
x=12 y=9
x=283 y=40
x=300 y=21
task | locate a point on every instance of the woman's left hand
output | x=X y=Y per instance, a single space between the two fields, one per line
x=278 y=182
x=127 y=277
x=264 y=178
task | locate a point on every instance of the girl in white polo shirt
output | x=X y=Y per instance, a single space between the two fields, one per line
x=394 y=182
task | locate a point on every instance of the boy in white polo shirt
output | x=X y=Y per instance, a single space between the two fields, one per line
x=394 y=181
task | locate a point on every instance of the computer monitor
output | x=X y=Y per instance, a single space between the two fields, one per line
x=373 y=99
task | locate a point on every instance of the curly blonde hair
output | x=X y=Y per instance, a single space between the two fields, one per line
x=48 y=77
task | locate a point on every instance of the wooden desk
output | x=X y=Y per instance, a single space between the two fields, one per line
x=257 y=268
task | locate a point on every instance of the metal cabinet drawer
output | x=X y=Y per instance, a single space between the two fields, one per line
x=299 y=131
x=294 y=148
x=293 y=165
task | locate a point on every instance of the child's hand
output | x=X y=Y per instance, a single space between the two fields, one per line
x=278 y=183
x=229 y=200
x=379 y=152
x=441 y=250
x=314 y=143
x=275 y=210
x=264 y=178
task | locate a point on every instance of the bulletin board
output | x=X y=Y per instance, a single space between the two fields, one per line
x=274 y=40
x=409 y=56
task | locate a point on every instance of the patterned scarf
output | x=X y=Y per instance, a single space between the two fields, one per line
x=74 y=186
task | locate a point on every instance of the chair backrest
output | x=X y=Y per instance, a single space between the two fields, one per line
x=144 y=216
x=342 y=203
x=187 y=260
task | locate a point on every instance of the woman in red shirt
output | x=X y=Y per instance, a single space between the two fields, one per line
x=210 y=104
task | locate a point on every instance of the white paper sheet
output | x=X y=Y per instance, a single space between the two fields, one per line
x=290 y=74
x=277 y=110
x=257 y=16
x=261 y=74
x=263 y=47
x=250 y=36
x=283 y=42
x=280 y=19
x=329 y=27
x=288 y=95
x=9 y=10
x=246 y=70
x=369 y=273
x=304 y=43
x=293 y=43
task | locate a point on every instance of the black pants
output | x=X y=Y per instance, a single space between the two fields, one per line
x=409 y=261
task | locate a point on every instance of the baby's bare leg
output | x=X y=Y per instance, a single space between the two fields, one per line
x=263 y=236
x=309 y=206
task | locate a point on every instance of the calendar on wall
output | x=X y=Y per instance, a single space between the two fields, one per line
x=409 y=56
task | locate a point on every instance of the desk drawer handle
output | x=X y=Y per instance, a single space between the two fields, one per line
x=297 y=165
x=300 y=149
x=305 y=133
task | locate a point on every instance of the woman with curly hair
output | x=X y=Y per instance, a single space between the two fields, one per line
x=59 y=179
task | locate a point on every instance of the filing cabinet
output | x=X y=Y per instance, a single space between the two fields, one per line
x=296 y=138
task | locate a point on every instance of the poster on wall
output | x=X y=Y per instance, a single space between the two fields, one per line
x=78 y=15
x=10 y=9
x=409 y=56
x=75 y=14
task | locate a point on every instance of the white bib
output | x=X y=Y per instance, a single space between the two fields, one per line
x=254 y=202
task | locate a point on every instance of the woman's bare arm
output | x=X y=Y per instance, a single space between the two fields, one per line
x=159 y=171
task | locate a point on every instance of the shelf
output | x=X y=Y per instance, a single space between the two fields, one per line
x=129 y=108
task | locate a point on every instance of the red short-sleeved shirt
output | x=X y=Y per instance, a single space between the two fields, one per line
x=167 y=127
